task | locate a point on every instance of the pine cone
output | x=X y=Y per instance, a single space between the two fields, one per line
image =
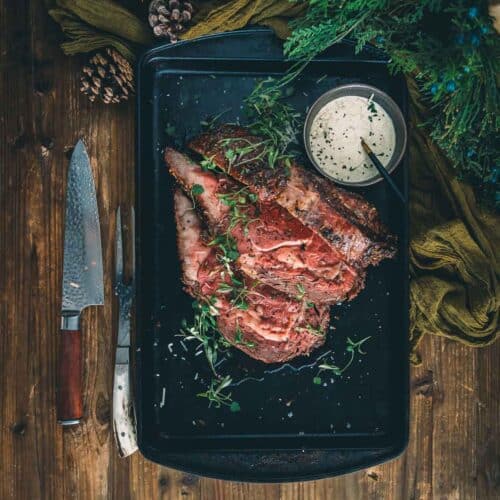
x=107 y=75
x=168 y=18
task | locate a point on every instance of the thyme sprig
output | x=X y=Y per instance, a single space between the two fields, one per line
x=204 y=329
x=217 y=395
x=352 y=348
x=273 y=119
x=239 y=339
x=238 y=203
x=209 y=164
x=301 y=292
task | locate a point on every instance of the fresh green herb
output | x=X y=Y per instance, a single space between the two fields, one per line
x=331 y=367
x=313 y=330
x=211 y=121
x=301 y=290
x=317 y=380
x=217 y=396
x=273 y=119
x=231 y=156
x=239 y=340
x=204 y=329
x=235 y=407
x=352 y=348
x=170 y=130
x=208 y=164
x=238 y=291
x=240 y=151
x=372 y=109
x=197 y=189
x=228 y=250
x=239 y=204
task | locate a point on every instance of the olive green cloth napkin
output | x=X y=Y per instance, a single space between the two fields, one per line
x=454 y=246
x=454 y=267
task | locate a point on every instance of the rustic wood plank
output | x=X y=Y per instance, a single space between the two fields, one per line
x=26 y=348
x=212 y=489
x=487 y=399
x=454 y=421
x=454 y=449
x=347 y=487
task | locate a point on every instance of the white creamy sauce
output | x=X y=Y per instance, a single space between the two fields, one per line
x=335 y=138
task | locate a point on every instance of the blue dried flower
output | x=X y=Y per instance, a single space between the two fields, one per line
x=379 y=39
x=475 y=39
x=494 y=175
x=485 y=30
x=470 y=153
x=451 y=86
x=460 y=39
x=473 y=12
x=434 y=89
x=466 y=69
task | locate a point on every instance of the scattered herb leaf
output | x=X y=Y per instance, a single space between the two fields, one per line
x=352 y=348
x=216 y=395
x=197 y=189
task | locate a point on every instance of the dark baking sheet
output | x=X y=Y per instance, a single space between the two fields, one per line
x=366 y=410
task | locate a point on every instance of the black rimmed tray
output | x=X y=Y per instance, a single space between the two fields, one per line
x=288 y=428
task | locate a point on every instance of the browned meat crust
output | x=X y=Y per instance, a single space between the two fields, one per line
x=274 y=328
x=345 y=220
x=275 y=248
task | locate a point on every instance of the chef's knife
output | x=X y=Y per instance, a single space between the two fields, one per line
x=82 y=281
x=123 y=409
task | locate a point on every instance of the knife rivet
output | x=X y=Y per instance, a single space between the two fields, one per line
x=120 y=387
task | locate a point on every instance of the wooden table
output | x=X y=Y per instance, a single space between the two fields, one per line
x=454 y=449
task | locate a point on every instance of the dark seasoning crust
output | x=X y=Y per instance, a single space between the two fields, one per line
x=363 y=239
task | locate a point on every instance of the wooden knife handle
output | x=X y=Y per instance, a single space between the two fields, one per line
x=69 y=378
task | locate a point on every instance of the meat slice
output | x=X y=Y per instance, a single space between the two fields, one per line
x=345 y=220
x=274 y=247
x=273 y=328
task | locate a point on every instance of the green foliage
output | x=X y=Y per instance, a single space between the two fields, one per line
x=218 y=396
x=204 y=329
x=197 y=189
x=272 y=118
x=352 y=348
x=451 y=48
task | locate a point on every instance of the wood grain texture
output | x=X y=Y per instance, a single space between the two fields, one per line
x=454 y=449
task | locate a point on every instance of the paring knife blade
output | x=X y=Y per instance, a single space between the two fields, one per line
x=123 y=410
x=82 y=280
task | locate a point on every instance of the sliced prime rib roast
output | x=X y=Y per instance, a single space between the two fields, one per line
x=274 y=328
x=274 y=247
x=345 y=220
